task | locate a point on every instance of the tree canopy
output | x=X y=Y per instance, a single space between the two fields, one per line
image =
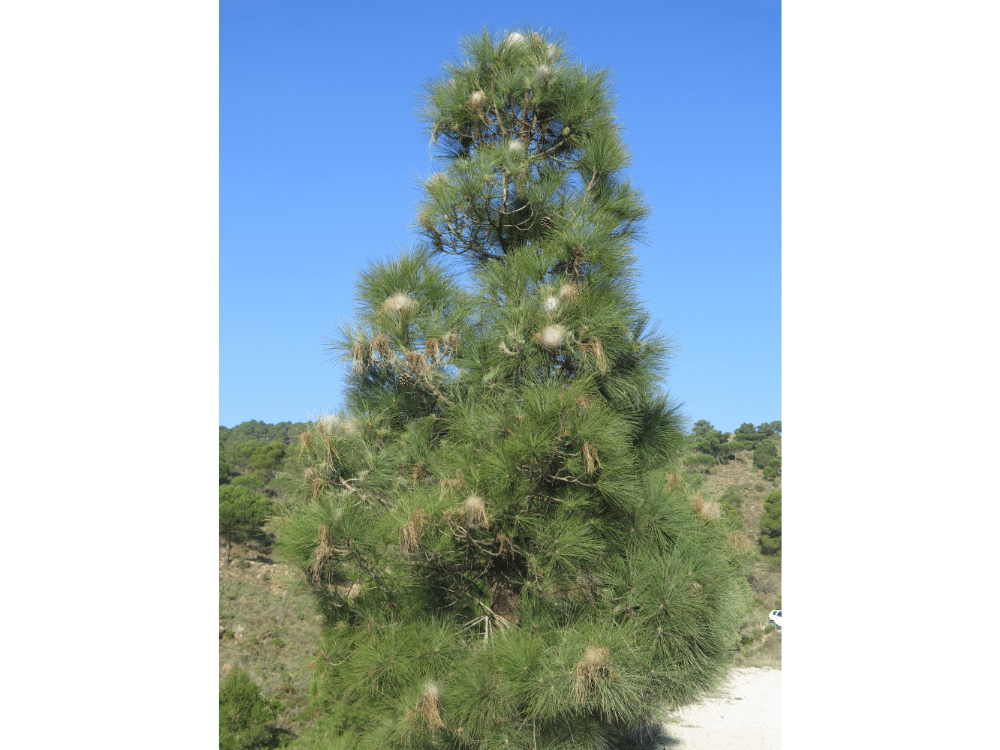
x=496 y=561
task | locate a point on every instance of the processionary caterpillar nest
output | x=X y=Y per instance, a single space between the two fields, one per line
x=552 y=336
x=475 y=511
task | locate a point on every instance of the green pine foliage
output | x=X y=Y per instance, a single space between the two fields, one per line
x=245 y=717
x=764 y=452
x=225 y=470
x=241 y=514
x=496 y=558
x=770 y=525
x=283 y=432
x=699 y=460
x=249 y=481
x=747 y=434
x=732 y=502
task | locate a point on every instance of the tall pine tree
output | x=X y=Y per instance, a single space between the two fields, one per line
x=497 y=562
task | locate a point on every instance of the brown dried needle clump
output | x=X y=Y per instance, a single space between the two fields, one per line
x=595 y=665
x=322 y=554
x=429 y=708
x=409 y=534
x=590 y=456
x=314 y=482
x=433 y=349
x=415 y=363
x=380 y=345
x=569 y=291
x=506 y=545
x=593 y=346
x=475 y=512
x=740 y=541
x=358 y=357
x=706 y=510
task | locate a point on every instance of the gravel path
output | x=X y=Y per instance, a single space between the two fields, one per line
x=746 y=716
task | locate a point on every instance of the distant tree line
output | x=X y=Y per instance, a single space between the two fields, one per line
x=263 y=432
x=250 y=456
x=710 y=446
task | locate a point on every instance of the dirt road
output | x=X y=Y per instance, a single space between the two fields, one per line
x=746 y=716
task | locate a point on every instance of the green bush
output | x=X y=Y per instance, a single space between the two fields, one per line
x=769 y=473
x=249 y=481
x=225 y=470
x=748 y=434
x=245 y=717
x=699 y=460
x=728 y=451
x=731 y=501
x=241 y=514
x=764 y=452
x=770 y=525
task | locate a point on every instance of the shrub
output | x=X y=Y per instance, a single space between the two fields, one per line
x=225 y=470
x=241 y=514
x=748 y=434
x=699 y=460
x=245 y=717
x=248 y=481
x=764 y=452
x=769 y=473
x=770 y=525
x=731 y=501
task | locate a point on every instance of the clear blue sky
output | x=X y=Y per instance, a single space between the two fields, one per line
x=320 y=150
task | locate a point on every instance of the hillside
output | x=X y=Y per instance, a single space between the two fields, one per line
x=761 y=641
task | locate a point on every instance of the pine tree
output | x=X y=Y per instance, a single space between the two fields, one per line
x=770 y=525
x=499 y=562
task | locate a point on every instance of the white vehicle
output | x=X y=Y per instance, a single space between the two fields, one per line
x=775 y=617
